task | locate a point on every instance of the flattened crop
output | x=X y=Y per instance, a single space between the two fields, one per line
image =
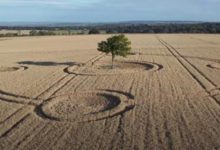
x=85 y=106
x=120 y=67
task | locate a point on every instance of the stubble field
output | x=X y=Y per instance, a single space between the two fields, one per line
x=58 y=93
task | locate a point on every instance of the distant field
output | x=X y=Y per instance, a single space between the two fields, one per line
x=21 y=32
x=55 y=32
x=57 y=92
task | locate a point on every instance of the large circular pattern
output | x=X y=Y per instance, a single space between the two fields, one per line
x=85 y=106
x=11 y=69
x=120 y=67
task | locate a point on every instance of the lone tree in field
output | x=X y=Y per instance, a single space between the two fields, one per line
x=118 y=45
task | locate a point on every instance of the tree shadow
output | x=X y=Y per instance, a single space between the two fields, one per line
x=46 y=63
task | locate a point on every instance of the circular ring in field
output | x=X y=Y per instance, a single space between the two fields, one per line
x=74 y=68
x=11 y=69
x=214 y=65
x=120 y=67
x=85 y=106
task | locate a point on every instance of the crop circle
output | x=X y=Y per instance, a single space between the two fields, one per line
x=85 y=106
x=120 y=67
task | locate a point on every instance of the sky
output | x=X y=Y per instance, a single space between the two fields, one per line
x=108 y=10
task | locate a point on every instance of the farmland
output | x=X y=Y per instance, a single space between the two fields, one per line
x=19 y=32
x=57 y=92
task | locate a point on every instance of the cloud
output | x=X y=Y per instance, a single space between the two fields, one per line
x=57 y=3
x=109 y=10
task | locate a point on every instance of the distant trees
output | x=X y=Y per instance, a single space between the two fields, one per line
x=41 y=33
x=94 y=31
x=8 y=35
x=33 y=33
x=161 y=28
x=115 y=28
x=118 y=45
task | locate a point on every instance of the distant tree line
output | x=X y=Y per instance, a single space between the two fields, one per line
x=94 y=31
x=118 y=28
x=41 y=33
x=8 y=35
x=168 y=28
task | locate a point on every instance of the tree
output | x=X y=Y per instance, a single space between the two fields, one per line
x=94 y=31
x=116 y=45
x=33 y=33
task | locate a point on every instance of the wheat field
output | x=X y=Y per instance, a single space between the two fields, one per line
x=57 y=92
x=21 y=32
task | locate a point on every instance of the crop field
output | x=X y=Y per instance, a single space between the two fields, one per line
x=21 y=32
x=58 y=92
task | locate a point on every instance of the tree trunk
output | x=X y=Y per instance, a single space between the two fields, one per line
x=113 y=57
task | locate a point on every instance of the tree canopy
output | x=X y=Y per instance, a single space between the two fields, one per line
x=94 y=31
x=118 y=45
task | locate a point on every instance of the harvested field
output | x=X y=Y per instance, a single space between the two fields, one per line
x=214 y=65
x=60 y=93
x=21 y=32
x=85 y=106
x=120 y=67
x=8 y=69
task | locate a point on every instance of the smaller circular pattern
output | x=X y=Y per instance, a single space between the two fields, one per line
x=85 y=106
x=11 y=69
x=214 y=65
x=120 y=67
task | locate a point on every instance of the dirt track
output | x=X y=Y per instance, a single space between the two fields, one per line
x=58 y=93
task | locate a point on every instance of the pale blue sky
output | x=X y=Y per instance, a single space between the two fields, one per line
x=108 y=10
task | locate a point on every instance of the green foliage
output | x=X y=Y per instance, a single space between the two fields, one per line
x=118 y=28
x=115 y=28
x=33 y=33
x=94 y=31
x=103 y=47
x=8 y=35
x=118 y=45
x=41 y=33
